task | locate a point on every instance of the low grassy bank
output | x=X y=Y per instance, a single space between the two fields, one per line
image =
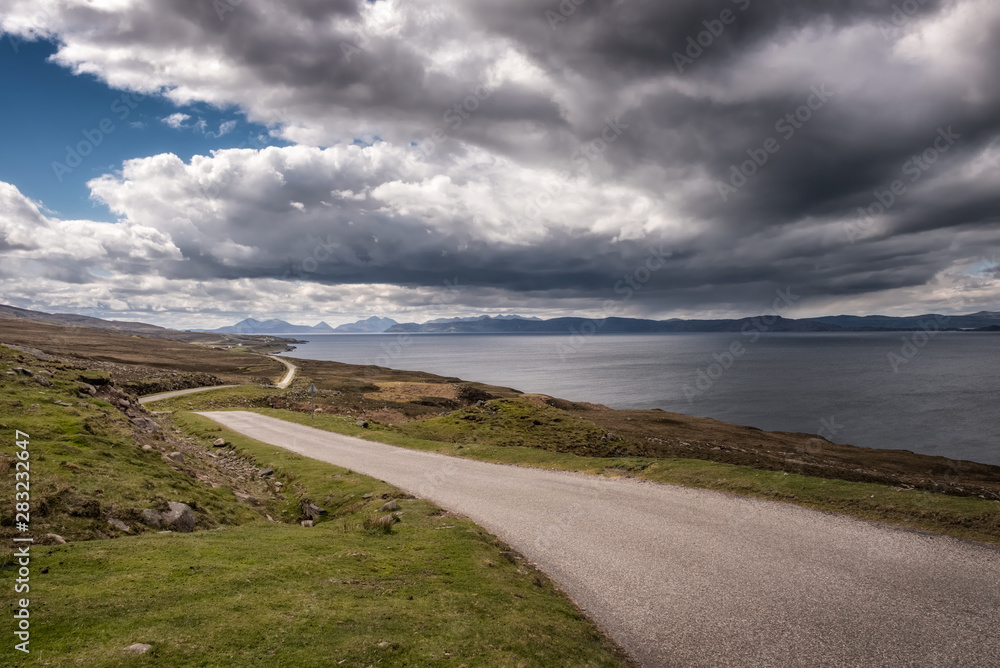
x=963 y=517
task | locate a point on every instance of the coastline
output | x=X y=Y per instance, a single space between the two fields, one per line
x=838 y=385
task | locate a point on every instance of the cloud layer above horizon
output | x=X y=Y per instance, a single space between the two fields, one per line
x=538 y=154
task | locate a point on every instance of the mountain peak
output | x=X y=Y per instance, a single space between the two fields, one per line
x=372 y=325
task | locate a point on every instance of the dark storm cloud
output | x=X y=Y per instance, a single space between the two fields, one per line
x=758 y=129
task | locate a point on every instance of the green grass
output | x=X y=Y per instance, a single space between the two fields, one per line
x=85 y=465
x=434 y=590
x=287 y=596
x=488 y=440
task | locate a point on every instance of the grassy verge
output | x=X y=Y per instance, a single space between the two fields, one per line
x=433 y=590
x=283 y=595
x=963 y=517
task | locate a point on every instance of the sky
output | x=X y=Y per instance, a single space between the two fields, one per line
x=190 y=163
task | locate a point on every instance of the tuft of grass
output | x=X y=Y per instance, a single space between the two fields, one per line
x=380 y=524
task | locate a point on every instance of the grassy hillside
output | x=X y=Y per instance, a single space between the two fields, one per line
x=88 y=465
x=251 y=585
x=129 y=357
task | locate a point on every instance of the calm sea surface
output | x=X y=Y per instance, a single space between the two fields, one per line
x=937 y=395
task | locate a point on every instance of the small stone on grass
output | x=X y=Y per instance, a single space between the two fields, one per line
x=138 y=648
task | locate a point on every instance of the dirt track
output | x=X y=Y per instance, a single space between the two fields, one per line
x=685 y=577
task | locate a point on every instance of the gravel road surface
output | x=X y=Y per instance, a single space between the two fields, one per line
x=688 y=577
x=179 y=393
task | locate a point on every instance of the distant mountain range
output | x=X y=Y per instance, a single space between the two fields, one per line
x=372 y=325
x=840 y=323
x=475 y=318
x=272 y=326
x=986 y=321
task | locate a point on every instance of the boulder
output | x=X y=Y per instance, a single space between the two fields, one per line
x=266 y=472
x=43 y=381
x=306 y=523
x=118 y=524
x=176 y=456
x=25 y=372
x=362 y=423
x=179 y=517
x=389 y=506
x=152 y=517
x=219 y=443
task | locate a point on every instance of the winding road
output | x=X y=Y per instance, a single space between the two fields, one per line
x=688 y=577
x=180 y=393
x=281 y=385
x=289 y=377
